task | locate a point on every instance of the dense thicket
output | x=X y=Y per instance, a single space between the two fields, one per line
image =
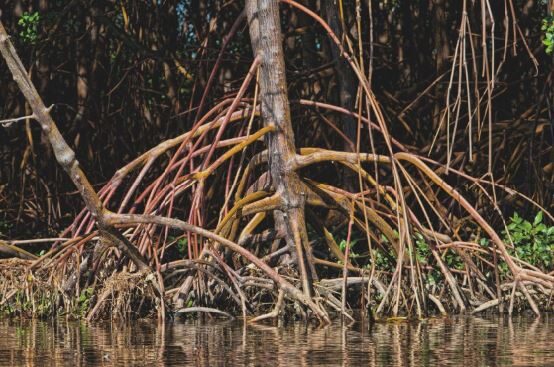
x=461 y=92
x=124 y=75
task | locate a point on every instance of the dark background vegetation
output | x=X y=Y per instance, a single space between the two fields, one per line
x=125 y=75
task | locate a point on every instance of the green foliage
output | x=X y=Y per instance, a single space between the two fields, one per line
x=422 y=249
x=484 y=242
x=453 y=260
x=39 y=303
x=548 y=29
x=83 y=301
x=424 y=256
x=29 y=27
x=342 y=246
x=342 y=235
x=382 y=261
x=533 y=242
x=181 y=244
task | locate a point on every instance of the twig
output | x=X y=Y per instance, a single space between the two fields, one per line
x=9 y=122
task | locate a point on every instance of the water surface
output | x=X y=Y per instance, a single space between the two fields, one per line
x=453 y=341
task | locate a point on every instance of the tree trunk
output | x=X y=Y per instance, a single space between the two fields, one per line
x=266 y=39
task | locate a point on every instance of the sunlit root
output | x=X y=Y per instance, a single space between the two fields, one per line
x=273 y=314
x=233 y=212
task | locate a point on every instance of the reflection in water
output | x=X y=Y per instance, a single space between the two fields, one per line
x=470 y=341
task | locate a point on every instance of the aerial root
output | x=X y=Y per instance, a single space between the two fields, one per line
x=273 y=314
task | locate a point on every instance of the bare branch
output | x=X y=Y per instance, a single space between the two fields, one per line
x=9 y=122
x=64 y=154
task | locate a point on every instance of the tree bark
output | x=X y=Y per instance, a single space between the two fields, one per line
x=266 y=39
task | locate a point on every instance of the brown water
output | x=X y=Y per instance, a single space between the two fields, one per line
x=459 y=341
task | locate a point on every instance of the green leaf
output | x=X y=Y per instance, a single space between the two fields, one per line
x=527 y=225
x=538 y=218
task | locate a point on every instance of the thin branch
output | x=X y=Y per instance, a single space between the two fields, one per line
x=9 y=122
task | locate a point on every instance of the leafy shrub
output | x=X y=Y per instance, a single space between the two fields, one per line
x=548 y=29
x=29 y=27
x=533 y=242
